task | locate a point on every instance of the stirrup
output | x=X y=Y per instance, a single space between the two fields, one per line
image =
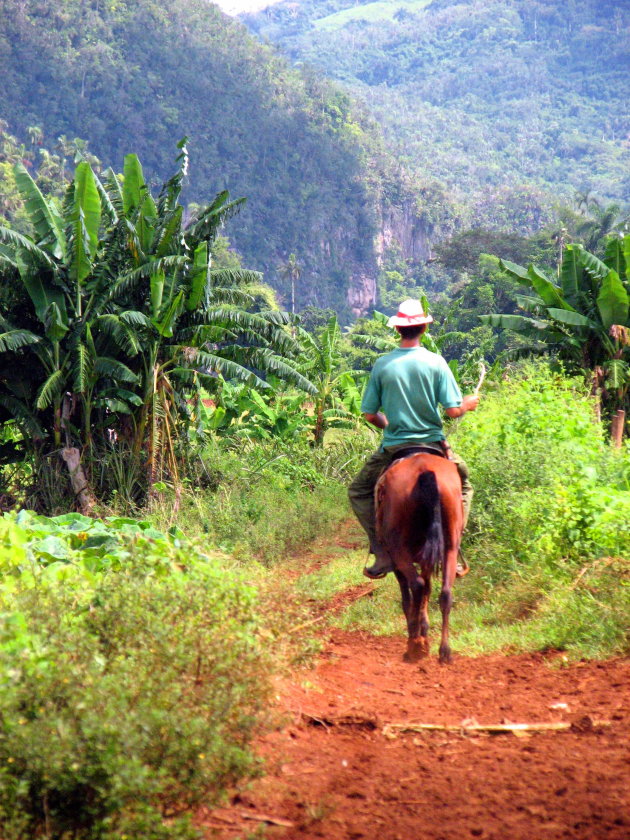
x=379 y=569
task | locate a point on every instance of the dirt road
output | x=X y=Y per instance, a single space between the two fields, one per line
x=333 y=772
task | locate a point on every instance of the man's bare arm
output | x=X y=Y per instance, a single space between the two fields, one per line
x=469 y=403
x=379 y=420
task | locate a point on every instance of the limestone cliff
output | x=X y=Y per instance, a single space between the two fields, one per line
x=400 y=226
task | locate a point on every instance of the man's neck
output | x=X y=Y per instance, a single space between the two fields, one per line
x=409 y=342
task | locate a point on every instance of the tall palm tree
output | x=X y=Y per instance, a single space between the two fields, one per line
x=599 y=222
x=292 y=272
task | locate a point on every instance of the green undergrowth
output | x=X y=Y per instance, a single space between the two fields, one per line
x=136 y=654
x=134 y=672
x=264 y=500
x=549 y=537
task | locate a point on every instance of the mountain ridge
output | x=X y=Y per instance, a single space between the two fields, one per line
x=137 y=76
x=503 y=101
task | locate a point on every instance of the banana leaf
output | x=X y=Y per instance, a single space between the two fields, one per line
x=86 y=220
x=42 y=215
x=612 y=301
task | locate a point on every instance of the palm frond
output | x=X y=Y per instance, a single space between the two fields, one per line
x=130 y=279
x=14 y=339
x=17 y=240
x=207 y=225
x=136 y=319
x=81 y=369
x=50 y=389
x=224 y=295
x=264 y=359
x=106 y=202
x=120 y=332
x=23 y=415
x=106 y=366
x=267 y=326
x=114 y=191
x=227 y=278
x=207 y=363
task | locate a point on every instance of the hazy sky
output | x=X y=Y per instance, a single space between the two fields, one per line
x=235 y=7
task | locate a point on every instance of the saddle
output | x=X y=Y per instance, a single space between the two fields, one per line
x=415 y=449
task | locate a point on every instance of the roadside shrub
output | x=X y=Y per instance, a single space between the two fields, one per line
x=542 y=476
x=126 y=696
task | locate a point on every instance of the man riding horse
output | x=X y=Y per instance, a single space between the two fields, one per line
x=403 y=396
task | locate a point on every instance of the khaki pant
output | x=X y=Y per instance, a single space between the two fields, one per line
x=361 y=491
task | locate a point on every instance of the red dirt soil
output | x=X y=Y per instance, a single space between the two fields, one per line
x=342 y=778
x=332 y=773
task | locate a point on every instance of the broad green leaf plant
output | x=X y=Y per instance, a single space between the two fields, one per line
x=583 y=320
x=123 y=319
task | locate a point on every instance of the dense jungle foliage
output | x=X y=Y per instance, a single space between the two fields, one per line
x=150 y=377
x=136 y=661
x=141 y=74
x=510 y=103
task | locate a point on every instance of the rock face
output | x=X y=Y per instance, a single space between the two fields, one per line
x=361 y=294
x=397 y=226
x=403 y=226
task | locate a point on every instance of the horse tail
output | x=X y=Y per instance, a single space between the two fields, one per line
x=427 y=512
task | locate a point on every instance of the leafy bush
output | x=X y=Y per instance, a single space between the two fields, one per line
x=132 y=678
x=547 y=486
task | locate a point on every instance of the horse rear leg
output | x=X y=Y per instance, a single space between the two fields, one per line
x=446 y=602
x=413 y=589
x=424 y=611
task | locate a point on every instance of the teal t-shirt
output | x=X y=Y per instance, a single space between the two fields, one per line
x=408 y=385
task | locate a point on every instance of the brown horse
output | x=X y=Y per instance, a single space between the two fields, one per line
x=419 y=522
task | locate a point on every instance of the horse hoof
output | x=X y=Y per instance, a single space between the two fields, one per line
x=416 y=652
x=445 y=656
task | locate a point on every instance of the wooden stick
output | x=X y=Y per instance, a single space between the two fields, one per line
x=601 y=561
x=322 y=617
x=360 y=595
x=482 y=368
x=247 y=815
x=392 y=728
x=306 y=624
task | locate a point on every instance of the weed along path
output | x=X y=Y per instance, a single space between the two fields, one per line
x=346 y=761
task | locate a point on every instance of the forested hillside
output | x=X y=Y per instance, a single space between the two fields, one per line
x=512 y=104
x=139 y=75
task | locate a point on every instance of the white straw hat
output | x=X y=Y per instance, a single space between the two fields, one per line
x=410 y=314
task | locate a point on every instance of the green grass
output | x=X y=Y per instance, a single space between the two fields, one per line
x=380 y=10
x=586 y=620
x=339 y=574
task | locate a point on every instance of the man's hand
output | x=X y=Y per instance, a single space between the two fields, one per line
x=379 y=420
x=469 y=403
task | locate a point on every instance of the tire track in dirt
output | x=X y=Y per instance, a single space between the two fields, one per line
x=332 y=773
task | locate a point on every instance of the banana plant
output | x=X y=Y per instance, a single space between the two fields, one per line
x=191 y=320
x=122 y=317
x=584 y=321
x=332 y=381
x=42 y=390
